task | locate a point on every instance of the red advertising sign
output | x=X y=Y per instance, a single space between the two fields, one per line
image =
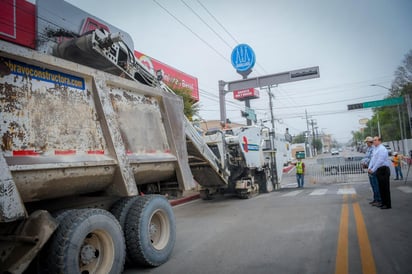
x=244 y=94
x=17 y=22
x=171 y=76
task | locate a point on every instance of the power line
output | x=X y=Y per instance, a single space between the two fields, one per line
x=193 y=32
x=204 y=22
x=217 y=21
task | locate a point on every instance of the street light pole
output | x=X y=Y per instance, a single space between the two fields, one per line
x=379 y=125
x=399 y=112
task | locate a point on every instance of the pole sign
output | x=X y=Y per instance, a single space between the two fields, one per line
x=244 y=94
x=380 y=103
x=274 y=79
x=249 y=114
x=363 y=121
x=243 y=58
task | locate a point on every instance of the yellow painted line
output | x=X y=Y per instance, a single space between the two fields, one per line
x=368 y=262
x=342 y=250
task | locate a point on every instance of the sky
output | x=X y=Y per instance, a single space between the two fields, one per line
x=355 y=43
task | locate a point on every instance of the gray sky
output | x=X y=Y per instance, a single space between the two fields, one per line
x=355 y=44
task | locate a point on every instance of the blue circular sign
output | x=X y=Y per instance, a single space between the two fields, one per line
x=243 y=58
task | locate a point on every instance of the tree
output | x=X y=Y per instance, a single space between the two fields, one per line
x=403 y=75
x=317 y=144
x=358 y=137
x=388 y=117
x=298 y=139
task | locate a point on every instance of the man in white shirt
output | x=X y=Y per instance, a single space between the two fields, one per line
x=380 y=166
x=372 y=177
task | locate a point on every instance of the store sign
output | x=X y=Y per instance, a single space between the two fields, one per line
x=244 y=94
x=243 y=57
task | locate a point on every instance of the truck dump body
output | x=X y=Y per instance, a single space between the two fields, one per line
x=68 y=130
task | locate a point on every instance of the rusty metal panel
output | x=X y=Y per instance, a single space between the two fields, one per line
x=44 y=115
x=37 y=185
x=140 y=122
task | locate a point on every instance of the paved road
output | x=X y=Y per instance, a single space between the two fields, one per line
x=322 y=228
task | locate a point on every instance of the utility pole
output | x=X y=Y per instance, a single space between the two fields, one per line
x=247 y=101
x=274 y=172
x=313 y=137
x=307 y=136
x=272 y=118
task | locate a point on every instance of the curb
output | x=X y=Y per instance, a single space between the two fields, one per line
x=184 y=200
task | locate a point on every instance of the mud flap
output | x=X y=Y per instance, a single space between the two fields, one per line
x=22 y=247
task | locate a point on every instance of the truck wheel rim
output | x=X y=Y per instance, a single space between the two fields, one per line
x=159 y=229
x=96 y=253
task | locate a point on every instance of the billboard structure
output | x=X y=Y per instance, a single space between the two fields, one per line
x=173 y=77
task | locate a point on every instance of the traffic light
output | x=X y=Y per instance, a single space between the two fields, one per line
x=355 y=106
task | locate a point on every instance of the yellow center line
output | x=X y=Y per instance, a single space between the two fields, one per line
x=342 y=258
x=342 y=252
x=368 y=263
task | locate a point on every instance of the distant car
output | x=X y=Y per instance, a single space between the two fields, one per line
x=349 y=165
x=334 y=152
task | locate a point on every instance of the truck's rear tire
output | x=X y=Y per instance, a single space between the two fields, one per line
x=87 y=241
x=264 y=181
x=150 y=231
x=121 y=208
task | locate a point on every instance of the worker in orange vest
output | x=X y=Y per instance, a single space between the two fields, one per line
x=397 y=164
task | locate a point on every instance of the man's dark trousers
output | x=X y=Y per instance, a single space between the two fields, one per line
x=383 y=174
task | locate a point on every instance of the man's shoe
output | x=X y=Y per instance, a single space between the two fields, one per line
x=372 y=202
x=385 y=207
x=378 y=204
x=396 y=179
x=375 y=204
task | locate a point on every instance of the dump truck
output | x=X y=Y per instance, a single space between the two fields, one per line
x=92 y=144
x=76 y=145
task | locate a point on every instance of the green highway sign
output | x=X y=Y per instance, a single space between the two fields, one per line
x=384 y=103
x=380 y=103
